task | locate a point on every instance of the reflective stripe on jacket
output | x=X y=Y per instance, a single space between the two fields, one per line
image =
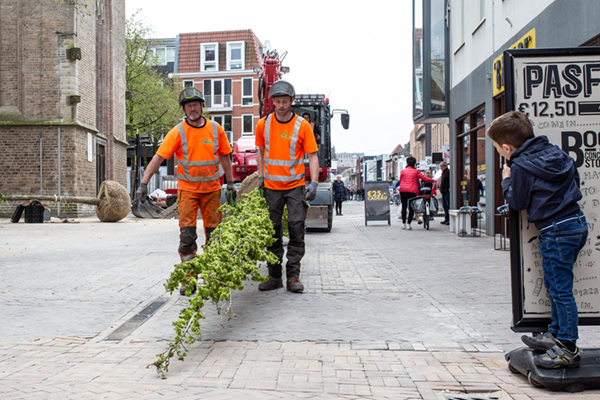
x=186 y=163
x=276 y=159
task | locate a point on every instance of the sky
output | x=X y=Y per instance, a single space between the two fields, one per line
x=359 y=54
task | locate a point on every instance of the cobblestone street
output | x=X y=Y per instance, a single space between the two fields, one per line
x=386 y=314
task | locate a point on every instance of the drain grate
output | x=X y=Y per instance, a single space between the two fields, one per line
x=451 y=395
x=138 y=319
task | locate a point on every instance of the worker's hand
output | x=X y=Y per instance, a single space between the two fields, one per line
x=230 y=194
x=505 y=172
x=261 y=186
x=311 y=191
x=142 y=192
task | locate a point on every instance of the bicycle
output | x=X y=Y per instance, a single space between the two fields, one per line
x=395 y=198
x=423 y=205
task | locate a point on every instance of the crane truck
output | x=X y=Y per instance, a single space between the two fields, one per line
x=320 y=213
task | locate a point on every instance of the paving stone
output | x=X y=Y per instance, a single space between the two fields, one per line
x=387 y=314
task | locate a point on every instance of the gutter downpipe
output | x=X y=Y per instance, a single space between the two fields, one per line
x=59 y=34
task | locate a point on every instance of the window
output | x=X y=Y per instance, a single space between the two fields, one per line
x=217 y=93
x=188 y=83
x=235 y=55
x=430 y=64
x=247 y=98
x=247 y=125
x=471 y=165
x=462 y=21
x=225 y=122
x=417 y=58
x=481 y=10
x=209 y=56
x=170 y=54
x=164 y=55
x=438 y=56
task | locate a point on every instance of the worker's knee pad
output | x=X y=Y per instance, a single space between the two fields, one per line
x=187 y=240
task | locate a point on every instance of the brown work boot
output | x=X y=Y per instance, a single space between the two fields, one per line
x=294 y=285
x=271 y=284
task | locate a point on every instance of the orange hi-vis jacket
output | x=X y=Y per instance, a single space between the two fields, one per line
x=197 y=151
x=285 y=145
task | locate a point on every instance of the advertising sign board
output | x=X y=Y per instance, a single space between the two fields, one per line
x=559 y=90
x=377 y=202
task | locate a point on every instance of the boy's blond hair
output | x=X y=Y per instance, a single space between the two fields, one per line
x=512 y=128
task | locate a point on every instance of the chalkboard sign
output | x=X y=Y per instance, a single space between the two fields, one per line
x=377 y=202
x=559 y=91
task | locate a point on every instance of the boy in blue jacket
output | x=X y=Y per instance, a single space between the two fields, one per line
x=541 y=178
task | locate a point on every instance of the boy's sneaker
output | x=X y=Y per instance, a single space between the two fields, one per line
x=403 y=226
x=540 y=342
x=558 y=357
x=408 y=227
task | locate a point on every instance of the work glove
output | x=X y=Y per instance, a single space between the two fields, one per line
x=311 y=191
x=230 y=194
x=142 y=192
x=261 y=186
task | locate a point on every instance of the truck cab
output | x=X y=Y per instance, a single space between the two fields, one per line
x=243 y=161
x=320 y=213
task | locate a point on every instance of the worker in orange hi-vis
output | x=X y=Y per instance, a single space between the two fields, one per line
x=282 y=139
x=199 y=145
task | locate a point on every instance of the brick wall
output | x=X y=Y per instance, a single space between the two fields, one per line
x=29 y=98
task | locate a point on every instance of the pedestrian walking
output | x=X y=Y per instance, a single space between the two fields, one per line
x=541 y=178
x=445 y=190
x=339 y=194
x=199 y=145
x=409 y=188
x=282 y=139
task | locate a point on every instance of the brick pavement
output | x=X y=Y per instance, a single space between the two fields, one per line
x=387 y=314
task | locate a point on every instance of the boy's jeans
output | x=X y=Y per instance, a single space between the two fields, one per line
x=560 y=244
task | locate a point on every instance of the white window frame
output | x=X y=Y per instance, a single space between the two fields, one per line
x=203 y=62
x=246 y=96
x=226 y=99
x=230 y=46
x=172 y=50
x=165 y=49
x=220 y=120
x=188 y=83
x=251 y=116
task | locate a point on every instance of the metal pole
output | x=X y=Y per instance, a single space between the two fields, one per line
x=59 y=34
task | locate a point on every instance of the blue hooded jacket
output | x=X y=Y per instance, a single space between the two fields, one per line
x=544 y=181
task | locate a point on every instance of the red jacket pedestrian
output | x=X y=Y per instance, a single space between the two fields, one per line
x=409 y=188
x=409 y=180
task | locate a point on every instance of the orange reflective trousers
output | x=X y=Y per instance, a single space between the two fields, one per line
x=189 y=202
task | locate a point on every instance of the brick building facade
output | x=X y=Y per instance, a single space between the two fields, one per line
x=221 y=65
x=90 y=121
x=428 y=138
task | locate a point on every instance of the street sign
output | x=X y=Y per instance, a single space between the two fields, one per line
x=559 y=90
x=377 y=202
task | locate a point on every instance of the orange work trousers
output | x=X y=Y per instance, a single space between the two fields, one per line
x=189 y=202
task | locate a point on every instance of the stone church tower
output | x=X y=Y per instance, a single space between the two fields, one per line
x=62 y=81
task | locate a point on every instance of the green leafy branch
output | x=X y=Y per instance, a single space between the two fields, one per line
x=234 y=252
